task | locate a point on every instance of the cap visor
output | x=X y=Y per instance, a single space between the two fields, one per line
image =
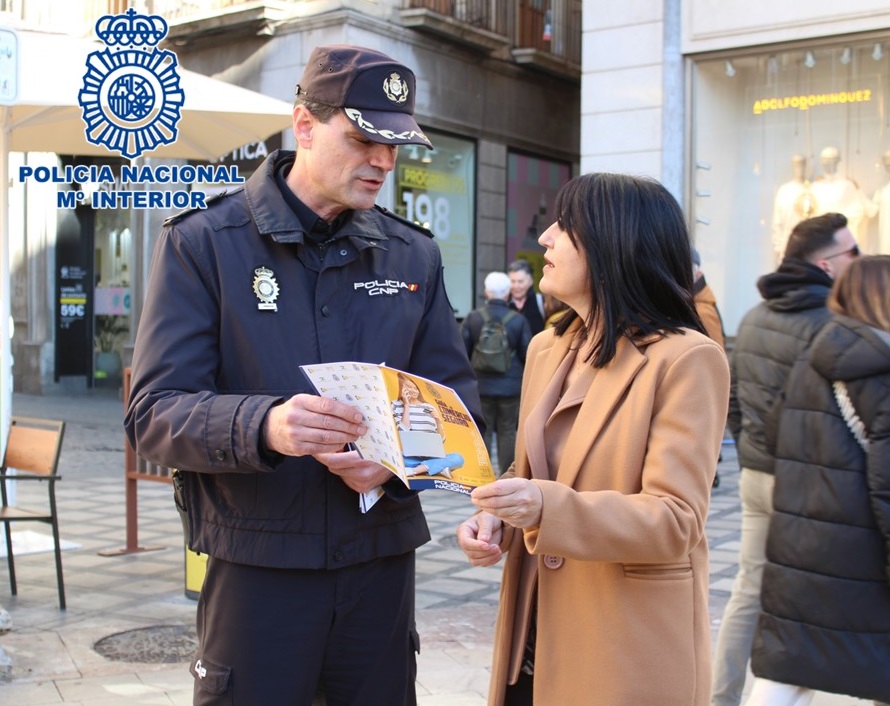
x=388 y=128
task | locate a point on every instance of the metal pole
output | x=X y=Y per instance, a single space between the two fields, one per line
x=5 y=305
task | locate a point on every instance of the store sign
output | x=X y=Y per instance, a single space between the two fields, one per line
x=811 y=100
x=435 y=189
x=74 y=310
x=73 y=296
x=427 y=195
x=112 y=301
x=247 y=158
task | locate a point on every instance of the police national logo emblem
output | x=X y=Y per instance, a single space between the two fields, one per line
x=131 y=99
x=266 y=289
x=395 y=88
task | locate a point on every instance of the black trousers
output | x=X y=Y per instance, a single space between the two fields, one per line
x=502 y=418
x=276 y=636
x=520 y=693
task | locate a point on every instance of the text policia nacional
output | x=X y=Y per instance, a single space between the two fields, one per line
x=100 y=179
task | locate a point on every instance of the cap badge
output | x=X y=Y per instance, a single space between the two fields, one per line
x=266 y=289
x=395 y=88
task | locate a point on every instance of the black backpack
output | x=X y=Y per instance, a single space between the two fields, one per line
x=492 y=352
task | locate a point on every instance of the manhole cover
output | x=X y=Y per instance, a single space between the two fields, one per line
x=157 y=644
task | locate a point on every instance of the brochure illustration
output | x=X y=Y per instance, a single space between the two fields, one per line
x=418 y=429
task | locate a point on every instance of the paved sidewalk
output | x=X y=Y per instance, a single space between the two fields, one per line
x=137 y=601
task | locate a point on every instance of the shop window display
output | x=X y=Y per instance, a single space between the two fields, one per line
x=780 y=136
x=436 y=188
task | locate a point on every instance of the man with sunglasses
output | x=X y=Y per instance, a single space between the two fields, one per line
x=770 y=337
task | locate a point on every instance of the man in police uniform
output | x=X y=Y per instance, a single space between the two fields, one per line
x=302 y=591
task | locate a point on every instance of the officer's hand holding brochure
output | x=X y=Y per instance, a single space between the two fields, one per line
x=418 y=429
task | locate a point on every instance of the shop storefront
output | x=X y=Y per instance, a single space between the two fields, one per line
x=436 y=188
x=532 y=185
x=783 y=134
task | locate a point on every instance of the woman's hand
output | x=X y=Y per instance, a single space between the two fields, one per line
x=516 y=501
x=479 y=537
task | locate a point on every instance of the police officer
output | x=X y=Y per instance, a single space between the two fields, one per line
x=302 y=590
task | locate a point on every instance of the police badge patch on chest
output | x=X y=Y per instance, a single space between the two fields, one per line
x=266 y=289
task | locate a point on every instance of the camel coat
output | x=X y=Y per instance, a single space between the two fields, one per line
x=620 y=558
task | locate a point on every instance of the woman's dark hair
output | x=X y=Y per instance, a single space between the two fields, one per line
x=633 y=236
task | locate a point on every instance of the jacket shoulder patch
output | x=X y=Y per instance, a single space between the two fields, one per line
x=208 y=202
x=404 y=221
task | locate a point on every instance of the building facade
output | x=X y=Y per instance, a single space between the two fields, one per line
x=755 y=114
x=498 y=93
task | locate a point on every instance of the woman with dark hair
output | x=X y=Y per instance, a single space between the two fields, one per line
x=825 y=618
x=604 y=598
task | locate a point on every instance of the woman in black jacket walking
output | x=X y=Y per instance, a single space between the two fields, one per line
x=825 y=620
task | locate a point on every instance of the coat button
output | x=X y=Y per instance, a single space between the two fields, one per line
x=220 y=455
x=325 y=311
x=551 y=561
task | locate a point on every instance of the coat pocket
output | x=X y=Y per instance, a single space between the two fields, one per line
x=658 y=572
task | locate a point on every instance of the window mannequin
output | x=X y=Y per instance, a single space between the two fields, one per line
x=836 y=193
x=882 y=202
x=793 y=203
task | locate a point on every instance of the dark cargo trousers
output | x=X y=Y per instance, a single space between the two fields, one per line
x=278 y=636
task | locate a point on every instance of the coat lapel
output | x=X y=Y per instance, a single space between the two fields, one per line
x=598 y=392
x=538 y=417
x=540 y=370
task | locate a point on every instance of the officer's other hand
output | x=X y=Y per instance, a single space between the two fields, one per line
x=359 y=474
x=308 y=424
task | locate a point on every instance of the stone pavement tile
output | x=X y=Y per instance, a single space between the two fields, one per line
x=488 y=574
x=451 y=699
x=113 y=689
x=456 y=603
x=455 y=655
x=448 y=588
x=43 y=693
x=168 y=677
x=723 y=584
x=37 y=654
x=822 y=699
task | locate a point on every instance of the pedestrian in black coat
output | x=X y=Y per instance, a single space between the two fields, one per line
x=825 y=620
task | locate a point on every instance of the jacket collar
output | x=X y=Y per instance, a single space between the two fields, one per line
x=275 y=218
x=610 y=382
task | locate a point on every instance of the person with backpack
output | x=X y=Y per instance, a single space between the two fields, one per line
x=496 y=338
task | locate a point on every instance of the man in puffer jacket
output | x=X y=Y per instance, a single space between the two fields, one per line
x=770 y=337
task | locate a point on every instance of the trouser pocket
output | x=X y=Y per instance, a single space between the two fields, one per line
x=211 y=683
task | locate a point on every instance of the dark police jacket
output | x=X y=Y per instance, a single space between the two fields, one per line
x=237 y=299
